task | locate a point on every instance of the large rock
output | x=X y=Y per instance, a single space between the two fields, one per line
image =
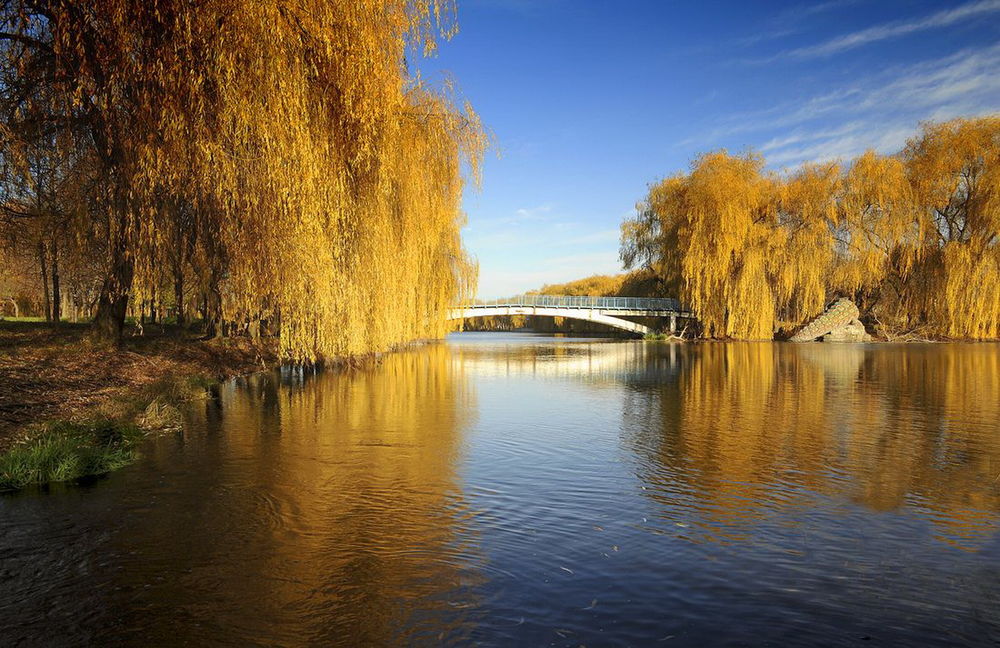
x=838 y=315
x=853 y=331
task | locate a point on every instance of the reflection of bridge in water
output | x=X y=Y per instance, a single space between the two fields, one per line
x=590 y=361
x=603 y=310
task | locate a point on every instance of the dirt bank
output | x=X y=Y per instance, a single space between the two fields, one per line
x=55 y=374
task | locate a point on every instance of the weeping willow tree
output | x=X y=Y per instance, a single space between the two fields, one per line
x=953 y=170
x=876 y=230
x=913 y=238
x=728 y=243
x=919 y=232
x=806 y=209
x=313 y=180
x=741 y=247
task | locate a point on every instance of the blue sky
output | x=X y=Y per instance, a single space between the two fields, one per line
x=591 y=100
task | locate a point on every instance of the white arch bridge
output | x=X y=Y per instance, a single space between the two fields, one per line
x=603 y=310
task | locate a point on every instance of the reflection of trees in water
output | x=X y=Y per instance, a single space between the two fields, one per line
x=750 y=427
x=333 y=512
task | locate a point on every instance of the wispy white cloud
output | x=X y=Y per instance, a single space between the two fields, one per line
x=844 y=147
x=538 y=245
x=609 y=236
x=879 y=111
x=792 y=21
x=520 y=216
x=800 y=136
x=562 y=235
x=896 y=29
x=532 y=213
x=505 y=281
x=798 y=12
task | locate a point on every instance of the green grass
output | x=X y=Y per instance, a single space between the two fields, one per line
x=656 y=336
x=65 y=451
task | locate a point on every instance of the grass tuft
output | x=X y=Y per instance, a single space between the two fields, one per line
x=64 y=451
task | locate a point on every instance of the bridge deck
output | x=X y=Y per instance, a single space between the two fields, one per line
x=653 y=306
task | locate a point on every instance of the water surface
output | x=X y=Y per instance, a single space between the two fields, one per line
x=519 y=490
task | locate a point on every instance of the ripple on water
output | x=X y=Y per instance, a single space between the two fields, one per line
x=540 y=492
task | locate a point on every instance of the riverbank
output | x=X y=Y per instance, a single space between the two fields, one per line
x=69 y=408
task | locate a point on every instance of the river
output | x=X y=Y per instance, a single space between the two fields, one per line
x=518 y=490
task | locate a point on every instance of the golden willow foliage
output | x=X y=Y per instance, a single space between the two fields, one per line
x=913 y=238
x=312 y=181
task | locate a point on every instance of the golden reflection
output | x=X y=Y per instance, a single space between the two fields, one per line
x=340 y=494
x=752 y=427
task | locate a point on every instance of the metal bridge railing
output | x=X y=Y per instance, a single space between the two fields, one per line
x=603 y=303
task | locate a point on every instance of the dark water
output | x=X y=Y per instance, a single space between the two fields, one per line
x=524 y=491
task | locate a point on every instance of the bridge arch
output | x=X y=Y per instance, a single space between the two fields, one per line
x=589 y=315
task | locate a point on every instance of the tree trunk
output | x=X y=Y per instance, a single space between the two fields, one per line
x=213 y=311
x=113 y=302
x=179 y=293
x=152 y=305
x=213 y=308
x=45 y=279
x=56 y=292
